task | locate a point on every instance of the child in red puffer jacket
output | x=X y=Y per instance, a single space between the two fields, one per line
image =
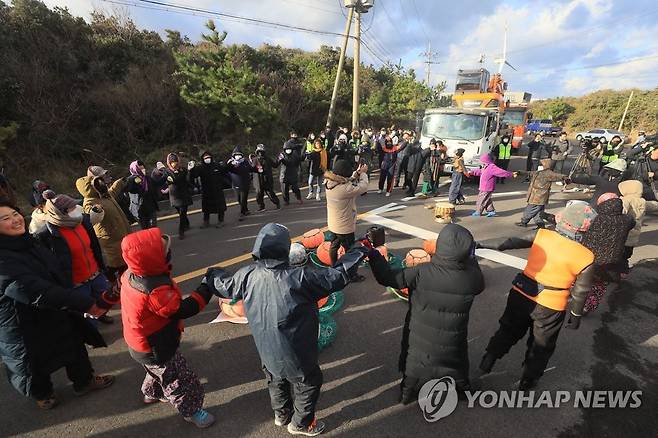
x=152 y=312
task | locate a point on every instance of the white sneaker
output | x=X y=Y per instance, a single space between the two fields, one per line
x=379 y=192
x=318 y=197
x=388 y=194
x=309 y=196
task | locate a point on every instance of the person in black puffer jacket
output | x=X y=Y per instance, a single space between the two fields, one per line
x=415 y=162
x=606 y=238
x=180 y=196
x=441 y=293
x=262 y=165
x=240 y=171
x=290 y=161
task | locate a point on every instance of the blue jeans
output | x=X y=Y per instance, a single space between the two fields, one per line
x=318 y=180
x=94 y=288
x=455 y=190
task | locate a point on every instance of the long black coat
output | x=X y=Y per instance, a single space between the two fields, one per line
x=440 y=296
x=52 y=239
x=263 y=167
x=36 y=334
x=415 y=158
x=280 y=302
x=213 y=177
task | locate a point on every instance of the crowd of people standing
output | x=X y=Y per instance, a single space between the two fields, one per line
x=61 y=273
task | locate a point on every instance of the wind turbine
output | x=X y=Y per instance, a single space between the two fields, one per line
x=503 y=61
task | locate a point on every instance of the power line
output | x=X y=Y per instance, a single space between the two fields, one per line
x=420 y=18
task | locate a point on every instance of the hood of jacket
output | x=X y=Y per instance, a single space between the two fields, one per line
x=272 y=243
x=611 y=207
x=329 y=176
x=135 y=169
x=85 y=186
x=486 y=159
x=144 y=253
x=631 y=188
x=455 y=243
x=546 y=163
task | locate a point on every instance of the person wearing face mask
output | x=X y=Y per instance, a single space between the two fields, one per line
x=144 y=192
x=341 y=151
x=70 y=236
x=153 y=310
x=240 y=170
x=180 y=196
x=290 y=162
x=41 y=323
x=114 y=225
x=212 y=175
x=560 y=150
x=502 y=154
x=262 y=165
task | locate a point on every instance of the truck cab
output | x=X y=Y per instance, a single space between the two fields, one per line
x=473 y=129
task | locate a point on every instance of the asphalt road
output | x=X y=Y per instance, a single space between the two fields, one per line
x=616 y=347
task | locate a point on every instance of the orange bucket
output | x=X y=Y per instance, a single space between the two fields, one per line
x=312 y=238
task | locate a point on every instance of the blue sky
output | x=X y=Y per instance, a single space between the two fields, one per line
x=559 y=47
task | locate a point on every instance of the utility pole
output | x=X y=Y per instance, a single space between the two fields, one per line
x=625 y=111
x=430 y=59
x=357 y=62
x=341 y=62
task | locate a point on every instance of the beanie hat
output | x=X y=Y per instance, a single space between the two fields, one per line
x=460 y=152
x=343 y=168
x=342 y=137
x=297 y=256
x=172 y=157
x=205 y=153
x=237 y=150
x=38 y=187
x=96 y=171
x=619 y=164
x=574 y=220
x=63 y=203
x=605 y=197
x=433 y=141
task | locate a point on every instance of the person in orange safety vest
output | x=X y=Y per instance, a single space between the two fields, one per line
x=558 y=266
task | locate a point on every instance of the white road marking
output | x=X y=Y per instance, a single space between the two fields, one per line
x=391 y=330
x=421 y=233
x=370 y=305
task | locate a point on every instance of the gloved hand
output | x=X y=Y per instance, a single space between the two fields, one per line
x=170 y=180
x=203 y=290
x=350 y=261
x=573 y=321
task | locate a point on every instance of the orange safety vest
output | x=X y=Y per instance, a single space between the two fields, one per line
x=555 y=261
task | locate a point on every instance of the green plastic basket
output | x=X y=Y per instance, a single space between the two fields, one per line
x=327 y=331
x=334 y=304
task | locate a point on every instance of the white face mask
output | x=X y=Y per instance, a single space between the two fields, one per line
x=540 y=168
x=237 y=157
x=207 y=160
x=76 y=213
x=288 y=151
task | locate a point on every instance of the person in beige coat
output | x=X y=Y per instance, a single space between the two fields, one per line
x=342 y=187
x=635 y=206
x=114 y=226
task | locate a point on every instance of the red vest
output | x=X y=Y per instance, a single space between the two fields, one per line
x=83 y=262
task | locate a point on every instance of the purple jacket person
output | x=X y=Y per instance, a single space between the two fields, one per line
x=488 y=175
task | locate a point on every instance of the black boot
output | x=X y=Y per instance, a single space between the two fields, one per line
x=487 y=363
x=527 y=383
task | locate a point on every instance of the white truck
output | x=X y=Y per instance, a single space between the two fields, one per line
x=473 y=129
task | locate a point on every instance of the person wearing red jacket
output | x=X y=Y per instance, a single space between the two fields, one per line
x=152 y=311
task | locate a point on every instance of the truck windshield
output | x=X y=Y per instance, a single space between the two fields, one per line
x=469 y=81
x=454 y=126
x=513 y=118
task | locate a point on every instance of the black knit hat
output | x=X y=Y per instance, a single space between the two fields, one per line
x=343 y=168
